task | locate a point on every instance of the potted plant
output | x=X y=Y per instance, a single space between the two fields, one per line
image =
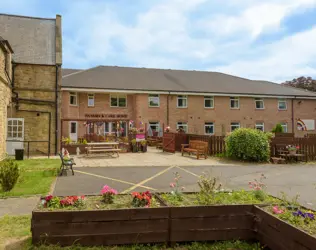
x=144 y=145
x=292 y=149
x=134 y=146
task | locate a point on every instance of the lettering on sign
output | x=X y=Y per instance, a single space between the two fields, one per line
x=105 y=115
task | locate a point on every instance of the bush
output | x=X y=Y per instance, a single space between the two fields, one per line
x=9 y=174
x=278 y=129
x=248 y=144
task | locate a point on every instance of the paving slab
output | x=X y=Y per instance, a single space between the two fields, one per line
x=18 y=206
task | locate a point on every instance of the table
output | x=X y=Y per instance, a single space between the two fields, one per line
x=106 y=147
x=287 y=156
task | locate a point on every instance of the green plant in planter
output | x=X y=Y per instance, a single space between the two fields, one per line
x=108 y=194
x=259 y=188
x=134 y=147
x=9 y=174
x=209 y=186
x=144 y=145
x=175 y=186
x=66 y=140
x=84 y=142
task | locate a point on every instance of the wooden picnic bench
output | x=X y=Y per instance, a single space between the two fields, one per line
x=105 y=147
x=66 y=164
x=200 y=148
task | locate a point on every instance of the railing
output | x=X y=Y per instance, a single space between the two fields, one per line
x=39 y=147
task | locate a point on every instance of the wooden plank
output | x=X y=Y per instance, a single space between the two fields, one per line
x=104 y=239
x=209 y=211
x=271 y=243
x=220 y=222
x=95 y=228
x=102 y=215
x=211 y=235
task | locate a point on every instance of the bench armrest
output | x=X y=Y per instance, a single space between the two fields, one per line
x=184 y=145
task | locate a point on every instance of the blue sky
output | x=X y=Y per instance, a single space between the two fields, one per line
x=271 y=40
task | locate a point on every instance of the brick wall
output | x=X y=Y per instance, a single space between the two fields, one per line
x=195 y=114
x=5 y=97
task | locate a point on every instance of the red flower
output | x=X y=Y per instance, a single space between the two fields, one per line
x=48 y=198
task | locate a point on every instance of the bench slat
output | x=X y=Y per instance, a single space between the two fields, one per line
x=104 y=150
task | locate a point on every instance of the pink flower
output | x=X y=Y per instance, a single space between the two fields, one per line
x=172 y=184
x=108 y=190
x=182 y=188
x=277 y=210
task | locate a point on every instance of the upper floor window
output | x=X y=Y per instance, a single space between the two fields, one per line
x=209 y=128
x=208 y=102
x=182 y=101
x=73 y=98
x=260 y=126
x=234 y=102
x=282 y=104
x=284 y=126
x=118 y=100
x=182 y=126
x=90 y=100
x=259 y=103
x=234 y=125
x=153 y=100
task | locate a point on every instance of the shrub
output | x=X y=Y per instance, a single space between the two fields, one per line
x=278 y=129
x=248 y=144
x=9 y=174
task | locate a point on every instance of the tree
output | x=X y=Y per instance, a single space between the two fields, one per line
x=302 y=83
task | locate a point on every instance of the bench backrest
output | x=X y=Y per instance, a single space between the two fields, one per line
x=199 y=145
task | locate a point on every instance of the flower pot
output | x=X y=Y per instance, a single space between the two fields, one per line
x=144 y=148
x=292 y=152
x=134 y=148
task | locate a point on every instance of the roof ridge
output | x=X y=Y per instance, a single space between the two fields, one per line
x=80 y=71
x=30 y=17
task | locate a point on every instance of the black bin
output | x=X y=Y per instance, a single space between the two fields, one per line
x=19 y=154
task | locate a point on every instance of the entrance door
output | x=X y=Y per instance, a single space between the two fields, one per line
x=15 y=135
x=73 y=131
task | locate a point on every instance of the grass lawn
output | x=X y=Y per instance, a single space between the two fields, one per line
x=36 y=177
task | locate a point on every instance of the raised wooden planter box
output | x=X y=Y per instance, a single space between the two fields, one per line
x=167 y=225
x=72 y=148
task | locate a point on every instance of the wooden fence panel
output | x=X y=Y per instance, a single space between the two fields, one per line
x=168 y=142
x=180 y=138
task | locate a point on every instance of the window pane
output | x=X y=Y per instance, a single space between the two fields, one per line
x=106 y=127
x=9 y=122
x=122 y=102
x=154 y=126
x=234 y=102
x=153 y=100
x=15 y=122
x=208 y=102
x=20 y=135
x=259 y=104
x=73 y=128
x=209 y=128
x=114 y=101
x=282 y=104
x=20 y=123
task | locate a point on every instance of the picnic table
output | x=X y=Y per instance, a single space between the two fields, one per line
x=105 y=147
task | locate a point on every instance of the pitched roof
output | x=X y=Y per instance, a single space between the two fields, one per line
x=66 y=72
x=32 y=39
x=144 y=79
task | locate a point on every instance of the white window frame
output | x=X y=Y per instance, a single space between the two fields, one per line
x=284 y=126
x=150 y=96
x=282 y=100
x=118 y=96
x=17 y=129
x=211 y=98
x=259 y=100
x=75 y=94
x=234 y=98
x=209 y=124
x=260 y=125
x=231 y=126
x=183 y=124
x=157 y=125
x=90 y=97
x=184 y=97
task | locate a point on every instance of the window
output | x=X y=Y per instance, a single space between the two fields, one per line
x=282 y=104
x=73 y=98
x=182 y=101
x=234 y=102
x=260 y=126
x=209 y=128
x=259 y=103
x=154 y=126
x=182 y=125
x=234 y=125
x=90 y=100
x=153 y=100
x=15 y=129
x=118 y=100
x=284 y=126
x=208 y=102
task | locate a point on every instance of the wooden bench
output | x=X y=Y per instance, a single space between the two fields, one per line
x=103 y=149
x=66 y=164
x=277 y=160
x=200 y=148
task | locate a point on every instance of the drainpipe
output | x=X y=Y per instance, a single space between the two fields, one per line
x=168 y=109
x=293 y=131
x=56 y=111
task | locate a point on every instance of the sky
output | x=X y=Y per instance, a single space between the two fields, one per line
x=272 y=40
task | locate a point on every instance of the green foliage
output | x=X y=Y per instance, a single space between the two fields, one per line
x=277 y=129
x=9 y=174
x=208 y=187
x=54 y=203
x=133 y=142
x=248 y=144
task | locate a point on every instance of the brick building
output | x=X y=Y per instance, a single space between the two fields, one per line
x=199 y=102
x=32 y=119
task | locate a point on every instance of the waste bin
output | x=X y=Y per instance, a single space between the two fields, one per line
x=19 y=154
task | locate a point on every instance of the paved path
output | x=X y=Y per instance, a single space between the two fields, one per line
x=292 y=180
x=17 y=206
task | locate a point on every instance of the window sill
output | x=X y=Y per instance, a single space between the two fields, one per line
x=282 y=109
x=209 y=107
x=182 y=107
x=260 y=109
x=153 y=106
x=118 y=107
x=234 y=108
x=72 y=105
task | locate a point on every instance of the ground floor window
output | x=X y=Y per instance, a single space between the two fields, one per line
x=182 y=126
x=154 y=126
x=120 y=129
x=15 y=129
x=260 y=126
x=234 y=125
x=209 y=128
x=284 y=126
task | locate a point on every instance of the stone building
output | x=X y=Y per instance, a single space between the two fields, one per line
x=5 y=91
x=199 y=102
x=36 y=77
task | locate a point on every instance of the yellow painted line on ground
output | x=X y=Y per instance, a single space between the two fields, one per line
x=140 y=184
x=112 y=179
x=189 y=172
